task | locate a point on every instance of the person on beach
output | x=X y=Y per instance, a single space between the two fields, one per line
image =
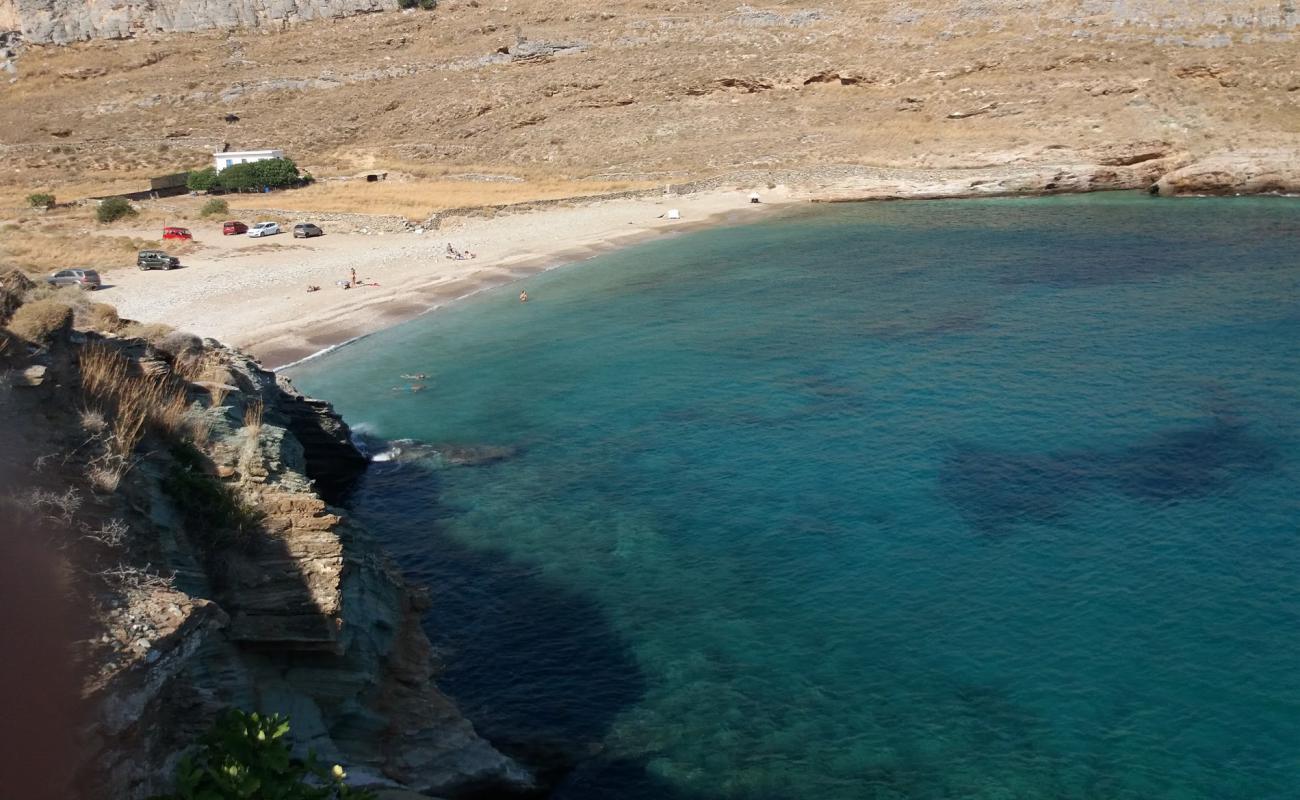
x=354 y=276
x=523 y=297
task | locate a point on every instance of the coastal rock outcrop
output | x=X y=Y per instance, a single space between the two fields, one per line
x=217 y=574
x=64 y=21
x=1254 y=172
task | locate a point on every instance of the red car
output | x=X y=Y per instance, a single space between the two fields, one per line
x=233 y=227
x=171 y=232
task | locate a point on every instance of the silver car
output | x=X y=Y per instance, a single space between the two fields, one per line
x=85 y=278
x=264 y=229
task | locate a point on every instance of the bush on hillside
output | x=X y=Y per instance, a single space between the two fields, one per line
x=201 y=180
x=39 y=320
x=177 y=343
x=273 y=172
x=249 y=755
x=99 y=317
x=40 y=200
x=276 y=172
x=113 y=209
x=215 y=207
x=237 y=178
x=14 y=288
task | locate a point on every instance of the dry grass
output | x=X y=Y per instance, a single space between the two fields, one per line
x=253 y=413
x=38 y=320
x=13 y=195
x=151 y=332
x=100 y=317
x=134 y=402
x=49 y=250
x=418 y=199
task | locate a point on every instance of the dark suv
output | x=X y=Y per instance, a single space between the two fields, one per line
x=156 y=259
x=305 y=230
x=85 y=278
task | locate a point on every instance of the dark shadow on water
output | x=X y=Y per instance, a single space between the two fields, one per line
x=534 y=665
x=993 y=489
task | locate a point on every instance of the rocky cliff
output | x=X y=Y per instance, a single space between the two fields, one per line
x=212 y=571
x=64 y=21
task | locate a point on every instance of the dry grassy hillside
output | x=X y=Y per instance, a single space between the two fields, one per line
x=657 y=89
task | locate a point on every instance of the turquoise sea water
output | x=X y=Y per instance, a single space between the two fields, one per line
x=980 y=499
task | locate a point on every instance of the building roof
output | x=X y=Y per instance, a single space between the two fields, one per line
x=248 y=152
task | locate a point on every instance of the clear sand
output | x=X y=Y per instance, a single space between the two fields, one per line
x=252 y=293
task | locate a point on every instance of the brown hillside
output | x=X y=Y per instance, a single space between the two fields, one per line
x=650 y=91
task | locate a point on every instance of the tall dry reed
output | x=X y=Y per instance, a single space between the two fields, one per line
x=132 y=401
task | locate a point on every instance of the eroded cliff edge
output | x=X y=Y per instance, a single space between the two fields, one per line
x=208 y=565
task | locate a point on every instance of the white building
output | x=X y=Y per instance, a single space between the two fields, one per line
x=232 y=157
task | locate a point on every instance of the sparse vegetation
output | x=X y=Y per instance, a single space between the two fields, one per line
x=41 y=200
x=113 y=209
x=248 y=756
x=134 y=402
x=418 y=199
x=100 y=317
x=151 y=332
x=53 y=506
x=178 y=343
x=38 y=320
x=253 y=413
x=51 y=246
x=214 y=207
x=208 y=506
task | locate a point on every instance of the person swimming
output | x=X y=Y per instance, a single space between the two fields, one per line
x=523 y=297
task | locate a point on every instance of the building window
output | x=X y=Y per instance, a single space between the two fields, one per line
x=229 y=161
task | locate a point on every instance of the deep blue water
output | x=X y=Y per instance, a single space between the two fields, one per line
x=980 y=499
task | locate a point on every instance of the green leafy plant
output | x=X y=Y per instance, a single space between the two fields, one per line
x=273 y=172
x=201 y=180
x=207 y=505
x=113 y=209
x=276 y=172
x=216 y=207
x=246 y=755
x=40 y=200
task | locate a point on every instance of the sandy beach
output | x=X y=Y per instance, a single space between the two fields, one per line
x=252 y=293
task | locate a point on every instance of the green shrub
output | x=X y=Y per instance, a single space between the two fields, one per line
x=273 y=172
x=40 y=200
x=207 y=505
x=237 y=178
x=276 y=172
x=113 y=209
x=216 y=207
x=39 y=320
x=201 y=180
x=247 y=756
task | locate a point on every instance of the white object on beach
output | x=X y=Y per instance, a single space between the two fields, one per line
x=674 y=214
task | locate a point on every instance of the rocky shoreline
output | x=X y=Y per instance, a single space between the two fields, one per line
x=305 y=615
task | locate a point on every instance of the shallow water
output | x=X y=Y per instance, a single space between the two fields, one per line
x=980 y=499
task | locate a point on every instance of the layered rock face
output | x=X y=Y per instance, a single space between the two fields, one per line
x=64 y=21
x=303 y=614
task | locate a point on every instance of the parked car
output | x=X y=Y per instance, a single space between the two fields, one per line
x=305 y=230
x=264 y=229
x=233 y=227
x=85 y=278
x=156 y=259
x=172 y=232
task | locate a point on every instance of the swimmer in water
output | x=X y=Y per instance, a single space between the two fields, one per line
x=523 y=297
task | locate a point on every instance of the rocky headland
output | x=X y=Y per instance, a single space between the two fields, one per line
x=209 y=565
